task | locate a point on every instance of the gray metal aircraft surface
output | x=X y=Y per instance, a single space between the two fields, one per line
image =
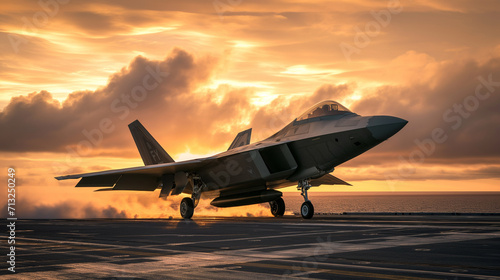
x=304 y=152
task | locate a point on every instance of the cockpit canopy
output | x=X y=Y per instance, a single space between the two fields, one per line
x=325 y=108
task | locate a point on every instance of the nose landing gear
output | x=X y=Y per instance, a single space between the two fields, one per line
x=307 y=209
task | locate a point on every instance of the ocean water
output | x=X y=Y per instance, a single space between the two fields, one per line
x=452 y=202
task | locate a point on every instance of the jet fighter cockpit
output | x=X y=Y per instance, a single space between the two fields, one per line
x=325 y=108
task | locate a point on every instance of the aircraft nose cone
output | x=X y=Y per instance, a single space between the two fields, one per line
x=383 y=127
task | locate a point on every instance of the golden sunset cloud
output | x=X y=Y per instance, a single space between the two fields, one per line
x=74 y=74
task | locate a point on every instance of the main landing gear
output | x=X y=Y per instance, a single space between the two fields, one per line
x=307 y=209
x=189 y=203
x=277 y=207
x=187 y=208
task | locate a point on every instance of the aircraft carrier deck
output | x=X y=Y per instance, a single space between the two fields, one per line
x=368 y=246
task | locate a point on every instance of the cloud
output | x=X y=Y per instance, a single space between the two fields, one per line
x=176 y=107
x=180 y=110
x=405 y=171
x=447 y=100
x=95 y=23
x=41 y=123
x=58 y=88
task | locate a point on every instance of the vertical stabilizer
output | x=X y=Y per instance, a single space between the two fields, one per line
x=151 y=152
x=242 y=139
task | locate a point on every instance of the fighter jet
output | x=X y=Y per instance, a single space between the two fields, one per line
x=303 y=153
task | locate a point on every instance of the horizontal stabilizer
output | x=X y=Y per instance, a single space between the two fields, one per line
x=121 y=182
x=328 y=179
x=98 y=181
x=242 y=139
x=104 y=190
x=151 y=152
x=137 y=182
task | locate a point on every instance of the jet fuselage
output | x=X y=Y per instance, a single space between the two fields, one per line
x=304 y=149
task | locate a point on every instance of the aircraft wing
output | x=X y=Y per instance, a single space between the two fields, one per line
x=142 y=178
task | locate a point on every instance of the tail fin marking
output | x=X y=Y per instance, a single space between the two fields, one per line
x=151 y=152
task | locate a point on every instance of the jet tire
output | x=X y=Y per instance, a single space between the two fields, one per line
x=307 y=210
x=277 y=207
x=187 y=208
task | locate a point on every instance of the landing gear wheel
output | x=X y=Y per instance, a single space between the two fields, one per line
x=307 y=210
x=277 y=207
x=187 y=208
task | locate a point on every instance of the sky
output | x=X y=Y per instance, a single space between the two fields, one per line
x=73 y=75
